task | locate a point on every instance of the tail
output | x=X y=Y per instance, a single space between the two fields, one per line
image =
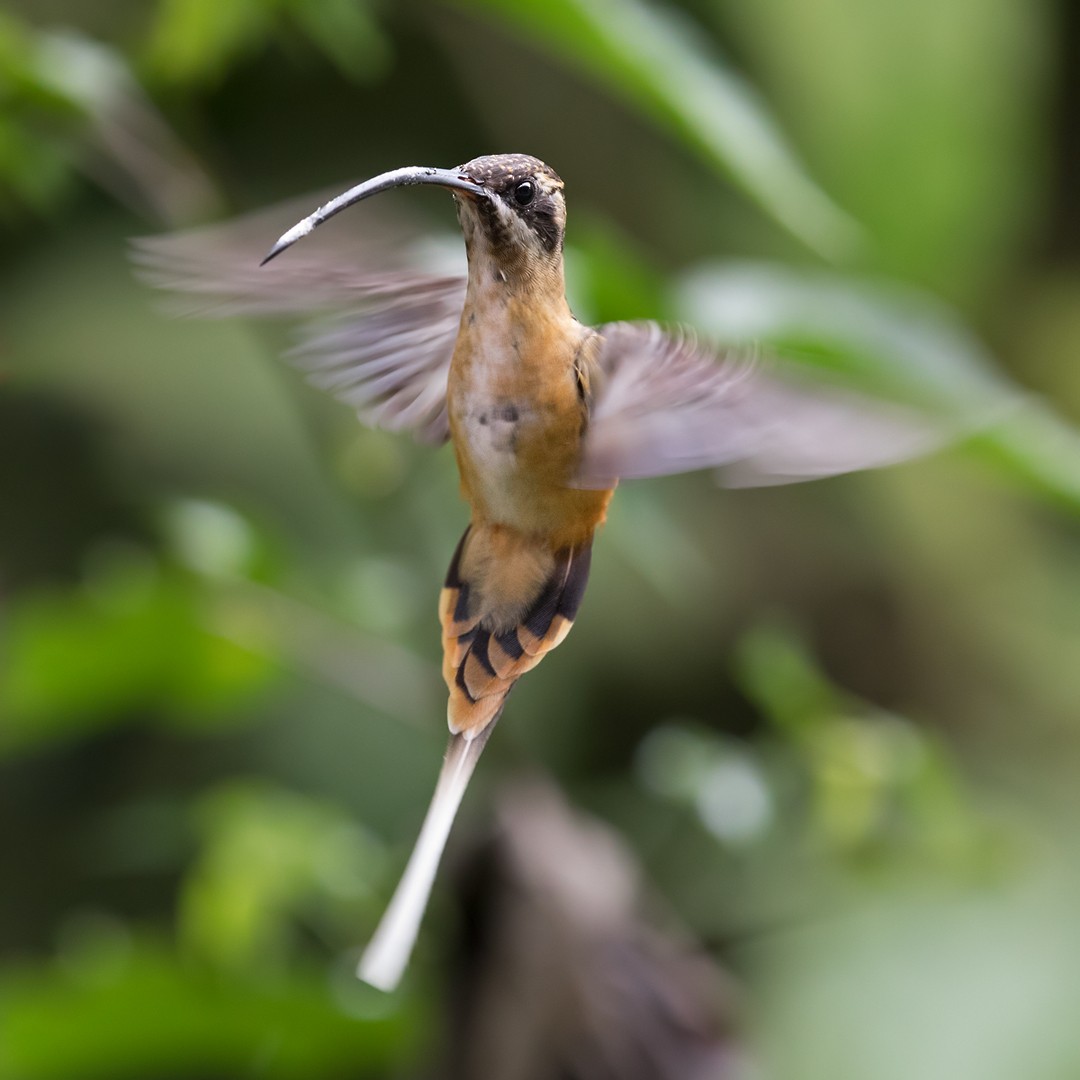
x=509 y=599
x=385 y=958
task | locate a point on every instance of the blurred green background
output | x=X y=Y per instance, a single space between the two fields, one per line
x=837 y=723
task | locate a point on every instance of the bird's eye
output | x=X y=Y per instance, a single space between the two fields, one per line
x=524 y=192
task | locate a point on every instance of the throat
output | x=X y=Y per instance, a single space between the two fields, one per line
x=497 y=273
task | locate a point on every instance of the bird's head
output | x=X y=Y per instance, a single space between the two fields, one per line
x=510 y=206
x=517 y=225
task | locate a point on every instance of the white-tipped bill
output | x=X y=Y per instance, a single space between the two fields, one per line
x=406 y=177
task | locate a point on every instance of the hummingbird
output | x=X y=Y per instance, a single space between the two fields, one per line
x=546 y=415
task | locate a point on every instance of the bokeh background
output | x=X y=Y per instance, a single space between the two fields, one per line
x=836 y=724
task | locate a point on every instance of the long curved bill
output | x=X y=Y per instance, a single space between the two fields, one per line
x=406 y=177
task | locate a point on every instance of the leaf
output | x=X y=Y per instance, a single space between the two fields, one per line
x=199 y=40
x=906 y=340
x=270 y=858
x=73 y=662
x=346 y=31
x=196 y=40
x=894 y=341
x=947 y=182
x=658 y=63
x=134 y=1009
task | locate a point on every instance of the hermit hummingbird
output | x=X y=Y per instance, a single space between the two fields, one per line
x=545 y=415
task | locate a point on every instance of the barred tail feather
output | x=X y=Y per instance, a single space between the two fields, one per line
x=507 y=603
x=385 y=958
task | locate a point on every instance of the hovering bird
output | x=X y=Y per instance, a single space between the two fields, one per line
x=545 y=415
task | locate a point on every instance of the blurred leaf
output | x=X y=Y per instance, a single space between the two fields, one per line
x=197 y=40
x=36 y=118
x=881 y=97
x=211 y=538
x=23 y=82
x=68 y=103
x=898 y=339
x=860 y=765
x=878 y=783
x=271 y=860
x=346 y=31
x=132 y=638
x=928 y=982
x=722 y=781
x=778 y=674
x=141 y=1012
x=660 y=63
x=897 y=342
x=609 y=278
x=129 y=148
x=33 y=171
x=1040 y=448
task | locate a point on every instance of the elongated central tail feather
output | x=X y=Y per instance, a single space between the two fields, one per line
x=509 y=600
x=385 y=958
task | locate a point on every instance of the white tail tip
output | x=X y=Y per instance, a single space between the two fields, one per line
x=387 y=955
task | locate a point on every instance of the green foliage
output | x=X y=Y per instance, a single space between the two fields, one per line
x=268 y=861
x=864 y=789
x=876 y=782
x=198 y=41
x=649 y=57
x=134 y=638
x=130 y=1007
x=868 y=797
x=900 y=343
x=942 y=175
x=37 y=118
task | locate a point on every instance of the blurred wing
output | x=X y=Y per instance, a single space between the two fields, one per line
x=390 y=359
x=664 y=404
x=378 y=335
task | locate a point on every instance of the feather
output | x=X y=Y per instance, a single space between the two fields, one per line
x=376 y=332
x=664 y=404
x=492 y=635
x=387 y=955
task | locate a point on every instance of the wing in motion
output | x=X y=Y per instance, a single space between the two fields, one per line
x=378 y=335
x=389 y=360
x=664 y=404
